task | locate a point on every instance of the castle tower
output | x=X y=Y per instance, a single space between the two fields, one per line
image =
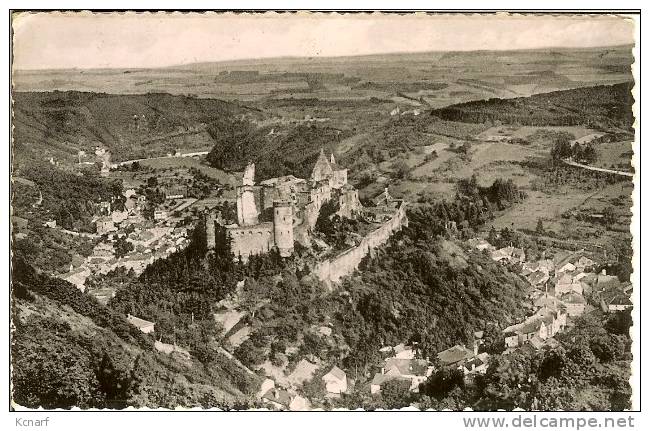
x=283 y=227
x=247 y=213
x=210 y=234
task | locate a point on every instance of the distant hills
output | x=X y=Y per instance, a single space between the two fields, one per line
x=603 y=106
x=442 y=78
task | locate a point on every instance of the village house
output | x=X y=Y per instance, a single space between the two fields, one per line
x=416 y=370
x=614 y=299
x=584 y=263
x=619 y=303
x=380 y=379
x=509 y=254
x=279 y=399
x=50 y=223
x=143 y=325
x=336 y=382
x=299 y=404
x=566 y=284
x=533 y=328
x=555 y=319
x=565 y=267
x=456 y=356
x=537 y=278
x=574 y=302
x=104 y=225
x=403 y=352
x=511 y=338
x=476 y=365
x=480 y=244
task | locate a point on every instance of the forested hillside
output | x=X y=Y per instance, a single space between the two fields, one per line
x=294 y=152
x=58 y=124
x=603 y=106
x=70 y=351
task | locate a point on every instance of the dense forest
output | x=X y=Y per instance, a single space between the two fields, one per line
x=60 y=123
x=600 y=107
x=238 y=142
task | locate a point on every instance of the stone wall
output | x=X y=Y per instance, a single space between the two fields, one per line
x=345 y=263
x=249 y=240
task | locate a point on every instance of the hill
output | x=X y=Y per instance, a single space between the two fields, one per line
x=70 y=351
x=603 y=106
x=59 y=124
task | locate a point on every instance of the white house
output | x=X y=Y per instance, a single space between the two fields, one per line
x=336 y=381
x=575 y=303
x=143 y=325
x=567 y=267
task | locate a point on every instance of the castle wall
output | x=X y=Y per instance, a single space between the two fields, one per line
x=310 y=214
x=250 y=240
x=332 y=270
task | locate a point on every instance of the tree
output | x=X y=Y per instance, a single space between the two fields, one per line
x=540 y=227
x=400 y=168
x=396 y=394
x=114 y=382
x=443 y=381
x=562 y=149
x=122 y=247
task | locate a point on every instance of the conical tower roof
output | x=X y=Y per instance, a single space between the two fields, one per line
x=322 y=168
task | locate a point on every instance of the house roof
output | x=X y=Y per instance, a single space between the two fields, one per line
x=409 y=367
x=380 y=379
x=573 y=298
x=304 y=371
x=532 y=325
x=137 y=322
x=476 y=362
x=620 y=299
x=538 y=277
x=537 y=342
x=455 y=354
x=278 y=395
x=584 y=261
x=335 y=374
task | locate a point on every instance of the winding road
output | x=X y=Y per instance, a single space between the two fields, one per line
x=593 y=168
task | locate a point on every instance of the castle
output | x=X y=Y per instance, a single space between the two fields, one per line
x=279 y=211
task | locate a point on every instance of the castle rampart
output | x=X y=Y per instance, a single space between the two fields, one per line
x=346 y=262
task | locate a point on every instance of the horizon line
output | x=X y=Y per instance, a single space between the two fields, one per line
x=296 y=57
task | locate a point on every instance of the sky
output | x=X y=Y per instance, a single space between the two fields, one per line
x=85 y=40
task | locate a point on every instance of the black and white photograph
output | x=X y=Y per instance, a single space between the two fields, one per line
x=324 y=211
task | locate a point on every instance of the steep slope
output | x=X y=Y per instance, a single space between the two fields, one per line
x=70 y=351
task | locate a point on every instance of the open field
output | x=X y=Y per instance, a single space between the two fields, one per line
x=431 y=76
